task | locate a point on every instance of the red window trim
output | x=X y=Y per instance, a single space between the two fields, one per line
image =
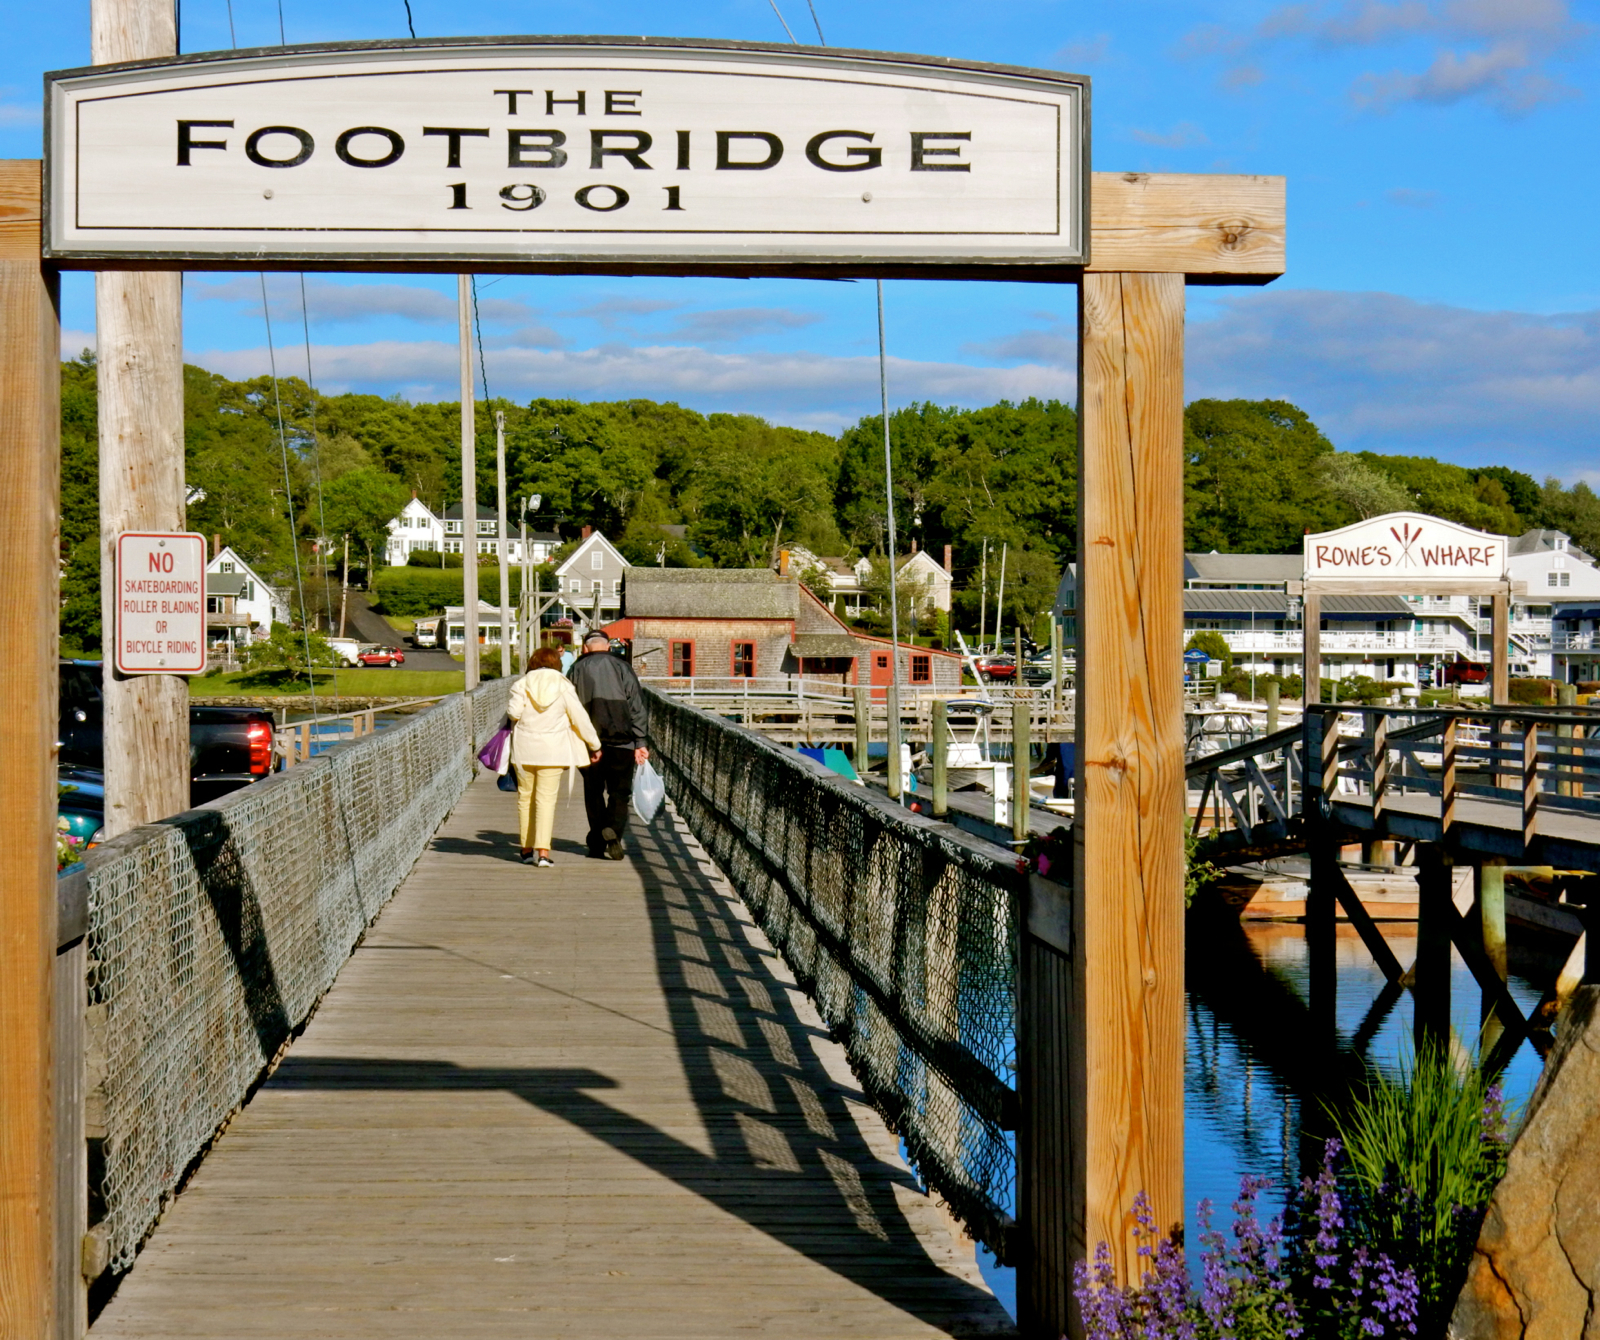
x=925 y=665
x=672 y=657
x=733 y=659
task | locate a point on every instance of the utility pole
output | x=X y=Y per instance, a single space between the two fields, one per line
x=139 y=320
x=896 y=781
x=983 y=595
x=469 y=488
x=500 y=541
x=524 y=641
x=344 y=583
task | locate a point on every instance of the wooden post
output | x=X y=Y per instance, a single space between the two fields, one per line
x=469 y=487
x=30 y=417
x=891 y=702
x=1019 y=765
x=1492 y=924
x=1565 y=756
x=863 y=702
x=939 y=744
x=501 y=540
x=1125 y=1037
x=1530 y=783
x=1273 y=691
x=1435 y=911
x=1055 y=666
x=1311 y=657
x=1500 y=670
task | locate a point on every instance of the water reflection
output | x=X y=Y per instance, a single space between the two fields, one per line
x=1257 y=1074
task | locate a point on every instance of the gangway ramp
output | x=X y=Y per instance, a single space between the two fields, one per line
x=575 y=1102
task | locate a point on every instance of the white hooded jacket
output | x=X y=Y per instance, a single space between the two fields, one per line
x=551 y=728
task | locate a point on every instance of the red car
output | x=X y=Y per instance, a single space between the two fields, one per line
x=997 y=667
x=381 y=656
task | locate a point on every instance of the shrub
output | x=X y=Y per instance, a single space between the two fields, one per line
x=409 y=592
x=1214 y=645
x=1533 y=692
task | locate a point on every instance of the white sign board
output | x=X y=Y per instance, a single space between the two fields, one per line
x=161 y=603
x=569 y=152
x=1405 y=545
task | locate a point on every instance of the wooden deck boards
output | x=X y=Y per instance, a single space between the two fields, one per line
x=579 y=1102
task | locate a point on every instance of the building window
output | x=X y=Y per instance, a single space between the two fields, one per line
x=616 y=587
x=683 y=660
x=883 y=662
x=744 y=660
x=576 y=586
x=922 y=669
x=213 y=605
x=597 y=559
x=226 y=566
x=597 y=586
x=452 y=528
x=1558 y=579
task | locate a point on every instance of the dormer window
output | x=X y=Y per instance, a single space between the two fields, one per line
x=226 y=566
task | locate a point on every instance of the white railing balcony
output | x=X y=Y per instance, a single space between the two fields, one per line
x=1276 y=642
x=1575 y=641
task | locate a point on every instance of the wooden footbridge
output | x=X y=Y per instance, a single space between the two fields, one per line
x=1489 y=788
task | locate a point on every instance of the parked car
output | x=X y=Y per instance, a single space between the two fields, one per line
x=381 y=656
x=229 y=747
x=1466 y=672
x=347 y=648
x=998 y=667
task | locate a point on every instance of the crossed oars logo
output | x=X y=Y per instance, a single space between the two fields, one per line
x=1406 y=537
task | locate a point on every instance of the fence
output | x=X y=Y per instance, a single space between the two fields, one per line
x=906 y=938
x=211 y=937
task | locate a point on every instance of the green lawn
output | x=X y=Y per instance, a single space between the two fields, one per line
x=354 y=682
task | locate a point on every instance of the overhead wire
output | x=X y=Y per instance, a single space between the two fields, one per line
x=288 y=493
x=409 y=24
x=316 y=458
x=783 y=21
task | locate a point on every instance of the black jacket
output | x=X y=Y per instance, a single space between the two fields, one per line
x=610 y=693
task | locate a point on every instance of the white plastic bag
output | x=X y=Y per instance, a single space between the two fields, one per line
x=648 y=792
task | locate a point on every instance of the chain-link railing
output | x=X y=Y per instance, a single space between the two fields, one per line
x=905 y=936
x=212 y=936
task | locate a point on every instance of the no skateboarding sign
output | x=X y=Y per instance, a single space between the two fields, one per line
x=161 y=603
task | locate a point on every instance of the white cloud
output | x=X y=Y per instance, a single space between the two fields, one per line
x=805 y=389
x=74 y=342
x=12 y=115
x=731 y=324
x=1081 y=55
x=618 y=313
x=1184 y=135
x=1498 y=51
x=1386 y=373
x=331 y=303
x=1411 y=197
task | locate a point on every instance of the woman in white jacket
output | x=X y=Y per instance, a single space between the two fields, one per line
x=552 y=735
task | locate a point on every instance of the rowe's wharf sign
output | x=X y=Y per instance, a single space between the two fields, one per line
x=567 y=151
x=1405 y=545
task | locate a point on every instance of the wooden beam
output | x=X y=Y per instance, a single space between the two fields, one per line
x=469 y=488
x=30 y=415
x=1500 y=649
x=1128 y=958
x=1311 y=657
x=1209 y=228
x=139 y=339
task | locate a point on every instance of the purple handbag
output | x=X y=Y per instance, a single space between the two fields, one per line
x=493 y=753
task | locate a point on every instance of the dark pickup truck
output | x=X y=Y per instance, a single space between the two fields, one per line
x=229 y=747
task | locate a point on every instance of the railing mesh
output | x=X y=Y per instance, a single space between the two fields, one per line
x=212 y=936
x=905 y=938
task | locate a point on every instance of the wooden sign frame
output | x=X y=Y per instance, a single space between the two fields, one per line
x=1101 y=1035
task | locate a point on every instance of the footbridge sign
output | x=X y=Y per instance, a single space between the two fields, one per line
x=594 y=151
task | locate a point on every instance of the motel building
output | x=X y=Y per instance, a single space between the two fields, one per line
x=1256 y=603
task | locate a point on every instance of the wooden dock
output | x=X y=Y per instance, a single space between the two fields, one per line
x=578 y=1102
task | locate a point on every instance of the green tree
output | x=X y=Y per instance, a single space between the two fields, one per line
x=1253 y=478
x=1214 y=645
x=1366 y=491
x=361 y=504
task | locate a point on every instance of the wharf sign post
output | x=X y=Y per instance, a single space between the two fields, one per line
x=1407 y=553
x=161 y=604
x=645 y=156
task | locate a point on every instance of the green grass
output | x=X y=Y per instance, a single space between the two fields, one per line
x=362 y=682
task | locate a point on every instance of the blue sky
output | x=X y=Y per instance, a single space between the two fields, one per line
x=1442 y=294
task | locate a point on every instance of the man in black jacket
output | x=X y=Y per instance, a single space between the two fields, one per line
x=609 y=692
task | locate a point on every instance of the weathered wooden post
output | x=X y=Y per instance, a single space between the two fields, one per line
x=891 y=703
x=30 y=418
x=1492 y=926
x=1020 y=748
x=863 y=707
x=939 y=743
x=1273 y=690
x=1435 y=910
x=469 y=488
x=501 y=543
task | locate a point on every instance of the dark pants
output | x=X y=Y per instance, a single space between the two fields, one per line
x=607 y=792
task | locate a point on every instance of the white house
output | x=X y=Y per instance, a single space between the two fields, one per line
x=415 y=530
x=239 y=605
x=594 y=567
x=488 y=540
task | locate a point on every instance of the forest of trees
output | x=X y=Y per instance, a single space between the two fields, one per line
x=1258 y=475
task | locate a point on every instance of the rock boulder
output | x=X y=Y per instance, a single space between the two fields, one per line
x=1536 y=1270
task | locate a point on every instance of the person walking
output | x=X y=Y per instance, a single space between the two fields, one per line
x=553 y=734
x=610 y=693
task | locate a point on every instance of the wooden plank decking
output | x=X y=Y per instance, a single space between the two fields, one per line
x=577 y=1102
